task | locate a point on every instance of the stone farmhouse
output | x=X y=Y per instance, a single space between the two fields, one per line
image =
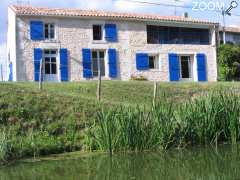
x=74 y=45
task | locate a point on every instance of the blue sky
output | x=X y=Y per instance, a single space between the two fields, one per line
x=126 y=6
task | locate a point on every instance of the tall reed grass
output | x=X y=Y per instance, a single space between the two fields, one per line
x=4 y=145
x=209 y=119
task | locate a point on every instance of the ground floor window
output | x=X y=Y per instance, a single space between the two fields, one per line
x=186 y=67
x=153 y=61
x=98 y=62
x=50 y=61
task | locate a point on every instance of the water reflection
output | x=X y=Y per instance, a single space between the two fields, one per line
x=180 y=165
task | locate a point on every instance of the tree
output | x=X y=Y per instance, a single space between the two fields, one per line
x=229 y=62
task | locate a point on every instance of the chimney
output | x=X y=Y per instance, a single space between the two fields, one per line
x=185 y=15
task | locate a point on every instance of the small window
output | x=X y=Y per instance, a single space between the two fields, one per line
x=97 y=32
x=153 y=62
x=49 y=31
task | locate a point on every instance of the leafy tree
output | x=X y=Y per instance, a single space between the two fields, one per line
x=229 y=62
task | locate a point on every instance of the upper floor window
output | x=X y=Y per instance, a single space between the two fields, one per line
x=49 y=31
x=177 y=35
x=97 y=32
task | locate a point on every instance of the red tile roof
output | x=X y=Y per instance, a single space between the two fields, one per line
x=67 y=12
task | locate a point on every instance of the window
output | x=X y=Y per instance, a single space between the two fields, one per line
x=98 y=59
x=49 y=31
x=153 y=62
x=236 y=37
x=177 y=35
x=97 y=32
x=50 y=60
x=153 y=34
x=186 y=67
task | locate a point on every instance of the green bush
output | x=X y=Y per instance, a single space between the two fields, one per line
x=229 y=62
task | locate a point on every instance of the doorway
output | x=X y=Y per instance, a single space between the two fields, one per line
x=186 y=68
x=50 y=65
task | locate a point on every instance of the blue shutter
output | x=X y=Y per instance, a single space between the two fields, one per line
x=36 y=30
x=64 y=64
x=37 y=60
x=10 y=78
x=111 y=32
x=112 y=55
x=142 y=62
x=201 y=67
x=174 y=67
x=87 y=65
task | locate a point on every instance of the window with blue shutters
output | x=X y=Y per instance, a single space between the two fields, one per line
x=112 y=55
x=36 y=30
x=201 y=67
x=87 y=65
x=174 y=67
x=37 y=60
x=97 y=31
x=64 y=64
x=142 y=62
x=111 y=32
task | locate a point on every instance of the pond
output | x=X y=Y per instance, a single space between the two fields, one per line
x=198 y=163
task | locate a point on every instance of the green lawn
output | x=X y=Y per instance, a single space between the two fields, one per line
x=54 y=120
x=117 y=92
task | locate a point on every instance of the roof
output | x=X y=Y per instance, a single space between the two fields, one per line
x=231 y=29
x=67 y=12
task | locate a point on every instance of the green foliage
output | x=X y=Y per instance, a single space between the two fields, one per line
x=229 y=62
x=210 y=119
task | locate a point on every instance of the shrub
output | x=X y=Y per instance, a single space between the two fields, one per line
x=228 y=62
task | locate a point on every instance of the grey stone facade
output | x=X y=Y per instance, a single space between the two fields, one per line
x=75 y=34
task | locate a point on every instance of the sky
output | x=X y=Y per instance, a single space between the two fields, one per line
x=201 y=9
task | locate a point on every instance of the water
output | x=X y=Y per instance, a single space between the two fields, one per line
x=180 y=165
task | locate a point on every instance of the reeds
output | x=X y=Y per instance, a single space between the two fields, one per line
x=4 y=145
x=210 y=119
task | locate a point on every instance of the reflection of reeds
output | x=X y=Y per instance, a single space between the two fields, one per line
x=212 y=118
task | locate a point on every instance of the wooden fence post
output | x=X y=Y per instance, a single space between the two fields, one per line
x=99 y=82
x=154 y=93
x=40 y=74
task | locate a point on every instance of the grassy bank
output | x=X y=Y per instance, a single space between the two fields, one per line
x=61 y=117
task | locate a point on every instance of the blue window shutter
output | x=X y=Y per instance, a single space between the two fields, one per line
x=174 y=67
x=201 y=67
x=64 y=64
x=37 y=60
x=142 y=62
x=112 y=55
x=36 y=30
x=111 y=32
x=10 y=78
x=87 y=65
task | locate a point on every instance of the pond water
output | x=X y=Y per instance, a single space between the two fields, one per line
x=223 y=163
